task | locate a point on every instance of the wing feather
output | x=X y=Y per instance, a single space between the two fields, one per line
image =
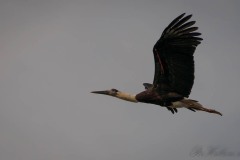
x=173 y=56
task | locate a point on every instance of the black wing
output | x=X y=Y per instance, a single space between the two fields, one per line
x=173 y=55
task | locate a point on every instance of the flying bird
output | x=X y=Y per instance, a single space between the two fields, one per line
x=174 y=69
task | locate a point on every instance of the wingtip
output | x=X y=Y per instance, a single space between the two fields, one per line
x=182 y=14
x=189 y=16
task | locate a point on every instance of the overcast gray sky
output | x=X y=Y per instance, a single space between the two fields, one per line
x=53 y=53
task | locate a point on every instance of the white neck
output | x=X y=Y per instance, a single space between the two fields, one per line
x=126 y=96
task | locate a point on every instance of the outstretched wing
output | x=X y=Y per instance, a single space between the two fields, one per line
x=173 y=55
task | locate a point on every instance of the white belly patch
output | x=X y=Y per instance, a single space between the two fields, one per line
x=177 y=104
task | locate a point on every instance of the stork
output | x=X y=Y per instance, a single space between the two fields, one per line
x=174 y=70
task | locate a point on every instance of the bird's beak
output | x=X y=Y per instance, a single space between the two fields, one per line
x=101 y=92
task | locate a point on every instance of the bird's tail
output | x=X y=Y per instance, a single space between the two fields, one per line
x=194 y=105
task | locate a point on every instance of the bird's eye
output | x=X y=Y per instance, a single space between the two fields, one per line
x=114 y=90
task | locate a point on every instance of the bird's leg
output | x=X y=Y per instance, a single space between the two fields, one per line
x=171 y=109
x=191 y=109
x=194 y=105
x=175 y=109
x=210 y=110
